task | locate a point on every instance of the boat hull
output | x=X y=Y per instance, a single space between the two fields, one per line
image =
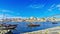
x=33 y=25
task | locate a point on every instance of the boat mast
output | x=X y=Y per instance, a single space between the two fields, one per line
x=3 y=19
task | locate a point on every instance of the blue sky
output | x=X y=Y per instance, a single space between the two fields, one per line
x=27 y=8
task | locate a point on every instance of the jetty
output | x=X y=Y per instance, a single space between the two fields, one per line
x=53 y=30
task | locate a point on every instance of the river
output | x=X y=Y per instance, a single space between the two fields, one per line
x=22 y=27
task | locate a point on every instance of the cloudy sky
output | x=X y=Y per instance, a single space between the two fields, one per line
x=27 y=8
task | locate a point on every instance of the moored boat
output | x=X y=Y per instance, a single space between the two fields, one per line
x=54 y=22
x=7 y=26
x=33 y=25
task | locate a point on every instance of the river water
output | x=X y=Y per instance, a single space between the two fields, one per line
x=22 y=27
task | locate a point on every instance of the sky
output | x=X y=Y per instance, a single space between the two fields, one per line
x=28 y=8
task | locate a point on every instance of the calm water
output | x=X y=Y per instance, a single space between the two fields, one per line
x=22 y=26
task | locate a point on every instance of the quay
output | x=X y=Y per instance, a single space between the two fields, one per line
x=4 y=31
x=54 y=30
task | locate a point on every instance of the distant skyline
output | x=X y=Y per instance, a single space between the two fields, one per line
x=28 y=8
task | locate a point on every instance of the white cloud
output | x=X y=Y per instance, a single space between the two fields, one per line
x=1 y=16
x=36 y=6
x=18 y=13
x=6 y=15
x=52 y=7
x=49 y=9
x=9 y=16
x=6 y=11
x=58 y=6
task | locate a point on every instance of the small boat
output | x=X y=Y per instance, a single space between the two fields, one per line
x=7 y=26
x=33 y=25
x=11 y=27
x=54 y=23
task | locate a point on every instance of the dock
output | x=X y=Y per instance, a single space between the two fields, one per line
x=54 y=30
x=4 y=31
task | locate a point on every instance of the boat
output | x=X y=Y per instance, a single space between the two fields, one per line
x=54 y=22
x=11 y=26
x=7 y=26
x=33 y=25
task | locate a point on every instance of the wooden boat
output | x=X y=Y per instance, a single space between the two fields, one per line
x=9 y=26
x=33 y=25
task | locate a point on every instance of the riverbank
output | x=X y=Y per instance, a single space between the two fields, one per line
x=54 y=30
x=4 y=31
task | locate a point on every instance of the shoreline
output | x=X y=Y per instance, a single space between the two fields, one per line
x=46 y=31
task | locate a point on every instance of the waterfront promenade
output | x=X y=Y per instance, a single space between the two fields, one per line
x=4 y=31
x=54 y=30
